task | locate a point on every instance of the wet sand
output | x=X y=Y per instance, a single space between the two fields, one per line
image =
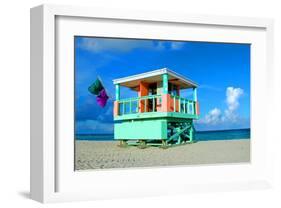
x=101 y=155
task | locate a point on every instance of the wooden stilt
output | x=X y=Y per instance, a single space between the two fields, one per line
x=142 y=144
x=164 y=144
x=122 y=143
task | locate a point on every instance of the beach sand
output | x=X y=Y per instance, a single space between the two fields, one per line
x=100 y=155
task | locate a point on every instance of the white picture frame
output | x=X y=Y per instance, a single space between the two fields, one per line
x=52 y=176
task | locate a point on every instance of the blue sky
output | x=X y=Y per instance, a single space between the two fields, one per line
x=222 y=71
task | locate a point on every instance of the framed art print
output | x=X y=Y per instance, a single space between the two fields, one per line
x=153 y=111
x=122 y=101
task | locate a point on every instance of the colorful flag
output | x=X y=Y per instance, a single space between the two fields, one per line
x=96 y=87
x=102 y=98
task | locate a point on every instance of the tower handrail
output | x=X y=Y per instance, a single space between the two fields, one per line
x=152 y=103
x=183 y=105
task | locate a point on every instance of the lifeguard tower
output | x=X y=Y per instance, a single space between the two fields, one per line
x=159 y=115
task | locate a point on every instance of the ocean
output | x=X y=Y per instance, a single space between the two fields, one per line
x=199 y=136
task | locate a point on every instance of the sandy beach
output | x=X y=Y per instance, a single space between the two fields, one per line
x=100 y=155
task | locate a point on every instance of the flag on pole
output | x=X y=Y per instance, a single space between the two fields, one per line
x=102 y=98
x=97 y=89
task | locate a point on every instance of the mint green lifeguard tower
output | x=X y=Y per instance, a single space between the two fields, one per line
x=159 y=116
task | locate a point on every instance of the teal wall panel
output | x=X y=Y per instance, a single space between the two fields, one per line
x=142 y=129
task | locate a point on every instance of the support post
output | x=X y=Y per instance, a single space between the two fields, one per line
x=191 y=134
x=165 y=96
x=117 y=92
x=165 y=80
x=196 y=105
x=195 y=94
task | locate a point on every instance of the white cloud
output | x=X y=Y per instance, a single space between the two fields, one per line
x=125 y=45
x=215 y=115
x=232 y=101
x=232 y=96
x=177 y=45
x=100 y=45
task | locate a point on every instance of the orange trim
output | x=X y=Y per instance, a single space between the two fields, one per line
x=115 y=108
x=197 y=108
x=166 y=103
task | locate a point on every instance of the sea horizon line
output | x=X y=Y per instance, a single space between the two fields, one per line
x=219 y=130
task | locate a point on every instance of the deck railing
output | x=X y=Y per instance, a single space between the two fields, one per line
x=153 y=103
x=142 y=104
x=183 y=105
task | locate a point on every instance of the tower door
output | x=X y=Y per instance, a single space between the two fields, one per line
x=152 y=90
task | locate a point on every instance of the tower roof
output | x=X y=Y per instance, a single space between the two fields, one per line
x=155 y=76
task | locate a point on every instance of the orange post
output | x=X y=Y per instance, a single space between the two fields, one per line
x=197 y=108
x=166 y=103
x=115 y=108
x=143 y=91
